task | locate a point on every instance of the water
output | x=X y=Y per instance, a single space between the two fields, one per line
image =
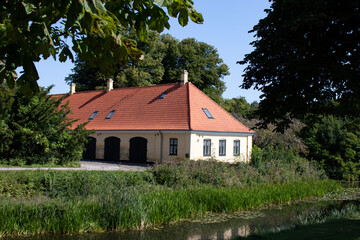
x=243 y=225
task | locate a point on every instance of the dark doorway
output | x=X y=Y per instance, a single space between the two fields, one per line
x=112 y=149
x=138 y=149
x=90 y=149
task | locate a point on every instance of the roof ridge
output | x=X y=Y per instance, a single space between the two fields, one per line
x=155 y=85
x=117 y=89
x=220 y=107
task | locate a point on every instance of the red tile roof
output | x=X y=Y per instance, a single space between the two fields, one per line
x=140 y=108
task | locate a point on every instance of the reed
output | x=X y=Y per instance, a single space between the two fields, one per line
x=134 y=208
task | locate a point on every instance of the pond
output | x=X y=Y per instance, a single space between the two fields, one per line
x=277 y=222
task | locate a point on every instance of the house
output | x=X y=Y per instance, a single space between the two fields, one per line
x=158 y=123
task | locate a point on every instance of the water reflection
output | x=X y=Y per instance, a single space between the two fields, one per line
x=225 y=227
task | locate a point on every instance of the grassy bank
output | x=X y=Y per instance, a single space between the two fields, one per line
x=137 y=209
x=76 y=201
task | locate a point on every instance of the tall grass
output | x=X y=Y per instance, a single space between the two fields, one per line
x=76 y=201
x=134 y=209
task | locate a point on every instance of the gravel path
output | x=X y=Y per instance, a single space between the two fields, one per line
x=90 y=166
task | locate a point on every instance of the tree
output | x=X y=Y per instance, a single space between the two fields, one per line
x=306 y=59
x=33 y=29
x=164 y=59
x=238 y=107
x=290 y=139
x=36 y=130
x=335 y=144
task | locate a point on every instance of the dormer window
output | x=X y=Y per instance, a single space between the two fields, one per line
x=162 y=95
x=208 y=114
x=93 y=115
x=110 y=114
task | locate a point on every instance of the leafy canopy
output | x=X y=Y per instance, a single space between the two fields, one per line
x=306 y=59
x=334 y=142
x=164 y=59
x=31 y=29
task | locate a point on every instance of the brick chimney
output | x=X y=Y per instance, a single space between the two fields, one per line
x=184 y=78
x=110 y=85
x=72 y=88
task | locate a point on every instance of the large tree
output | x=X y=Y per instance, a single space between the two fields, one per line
x=306 y=59
x=165 y=58
x=32 y=29
x=36 y=130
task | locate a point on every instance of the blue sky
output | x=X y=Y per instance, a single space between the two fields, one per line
x=226 y=25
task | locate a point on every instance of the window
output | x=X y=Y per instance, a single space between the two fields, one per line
x=173 y=146
x=93 y=115
x=162 y=95
x=110 y=114
x=236 y=147
x=207 y=147
x=222 y=148
x=208 y=114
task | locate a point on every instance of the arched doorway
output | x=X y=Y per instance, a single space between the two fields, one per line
x=138 y=150
x=90 y=149
x=112 y=149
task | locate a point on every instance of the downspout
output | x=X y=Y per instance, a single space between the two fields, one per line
x=161 y=147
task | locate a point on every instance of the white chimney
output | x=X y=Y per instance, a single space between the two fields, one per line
x=72 y=88
x=184 y=78
x=110 y=85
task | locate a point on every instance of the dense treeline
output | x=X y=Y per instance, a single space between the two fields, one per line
x=165 y=57
x=36 y=130
x=330 y=141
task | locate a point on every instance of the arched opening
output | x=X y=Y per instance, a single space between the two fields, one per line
x=112 y=149
x=138 y=150
x=90 y=149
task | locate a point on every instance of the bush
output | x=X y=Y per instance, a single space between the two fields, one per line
x=36 y=130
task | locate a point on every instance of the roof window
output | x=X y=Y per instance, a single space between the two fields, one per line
x=208 y=114
x=110 y=114
x=93 y=115
x=162 y=95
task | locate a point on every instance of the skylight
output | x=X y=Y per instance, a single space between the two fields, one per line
x=93 y=115
x=162 y=95
x=208 y=114
x=110 y=114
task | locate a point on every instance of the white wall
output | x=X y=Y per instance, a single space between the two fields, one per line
x=197 y=141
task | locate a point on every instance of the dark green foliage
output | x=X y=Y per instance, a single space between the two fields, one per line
x=305 y=57
x=164 y=60
x=239 y=107
x=36 y=130
x=335 y=144
x=30 y=30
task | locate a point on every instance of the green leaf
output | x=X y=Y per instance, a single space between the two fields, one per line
x=183 y=17
x=65 y=53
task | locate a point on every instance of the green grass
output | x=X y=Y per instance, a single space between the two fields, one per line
x=138 y=209
x=77 y=201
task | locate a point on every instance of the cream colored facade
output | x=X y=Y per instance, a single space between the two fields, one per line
x=197 y=143
x=190 y=144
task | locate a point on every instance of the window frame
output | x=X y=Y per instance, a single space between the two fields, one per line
x=236 y=147
x=93 y=115
x=111 y=113
x=207 y=113
x=173 y=148
x=222 y=147
x=207 y=147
